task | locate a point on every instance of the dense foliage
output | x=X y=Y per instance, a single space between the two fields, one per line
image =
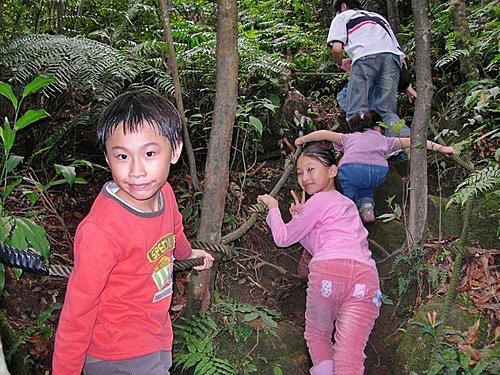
x=98 y=49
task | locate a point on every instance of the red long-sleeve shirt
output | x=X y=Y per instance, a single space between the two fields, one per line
x=119 y=292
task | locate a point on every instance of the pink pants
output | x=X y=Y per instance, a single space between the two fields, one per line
x=347 y=293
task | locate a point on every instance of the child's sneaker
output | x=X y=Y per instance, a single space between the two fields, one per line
x=367 y=214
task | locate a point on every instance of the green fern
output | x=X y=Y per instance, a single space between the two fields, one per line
x=194 y=347
x=451 y=58
x=484 y=180
x=76 y=63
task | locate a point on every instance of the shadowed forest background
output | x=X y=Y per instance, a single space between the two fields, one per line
x=63 y=61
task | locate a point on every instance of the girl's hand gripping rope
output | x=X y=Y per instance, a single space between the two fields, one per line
x=269 y=201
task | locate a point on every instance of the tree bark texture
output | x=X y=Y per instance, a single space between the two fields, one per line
x=219 y=147
x=172 y=63
x=327 y=12
x=418 y=161
x=60 y=16
x=461 y=27
x=1 y=16
x=393 y=15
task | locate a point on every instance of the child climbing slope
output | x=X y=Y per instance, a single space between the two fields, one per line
x=363 y=167
x=343 y=286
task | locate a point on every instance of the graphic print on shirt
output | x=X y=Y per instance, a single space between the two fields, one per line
x=162 y=253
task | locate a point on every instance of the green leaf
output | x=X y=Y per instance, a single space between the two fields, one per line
x=256 y=123
x=18 y=238
x=31 y=116
x=6 y=90
x=12 y=162
x=10 y=187
x=249 y=317
x=266 y=318
x=32 y=196
x=246 y=331
x=5 y=228
x=8 y=136
x=270 y=106
x=35 y=235
x=68 y=172
x=37 y=84
x=277 y=370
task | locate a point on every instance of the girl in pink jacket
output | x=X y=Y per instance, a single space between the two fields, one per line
x=343 y=287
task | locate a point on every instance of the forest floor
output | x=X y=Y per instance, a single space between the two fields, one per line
x=258 y=274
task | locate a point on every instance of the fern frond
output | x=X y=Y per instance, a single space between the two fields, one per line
x=451 y=58
x=79 y=63
x=484 y=180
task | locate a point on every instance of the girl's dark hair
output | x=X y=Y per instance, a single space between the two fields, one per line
x=136 y=109
x=351 y=4
x=365 y=120
x=322 y=151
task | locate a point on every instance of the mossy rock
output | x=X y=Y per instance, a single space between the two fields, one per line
x=485 y=220
x=392 y=187
x=414 y=349
x=391 y=236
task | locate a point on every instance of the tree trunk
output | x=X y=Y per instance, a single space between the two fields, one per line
x=393 y=15
x=172 y=63
x=1 y=16
x=60 y=16
x=418 y=161
x=79 y=13
x=327 y=12
x=219 y=148
x=461 y=27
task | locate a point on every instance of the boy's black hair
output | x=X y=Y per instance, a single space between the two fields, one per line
x=322 y=151
x=365 y=120
x=135 y=109
x=351 y=4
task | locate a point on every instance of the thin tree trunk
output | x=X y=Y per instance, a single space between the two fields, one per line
x=172 y=63
x=418 y=161
x=1 y=16
x=393 y=15
x=461 y=27
x=60 y=16
x=219 y=148
x=79 y=12
x=327 y=12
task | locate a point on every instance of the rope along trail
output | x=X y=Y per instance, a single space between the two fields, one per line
x=30 y=261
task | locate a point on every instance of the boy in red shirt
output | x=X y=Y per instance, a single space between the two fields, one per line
x=115 y=317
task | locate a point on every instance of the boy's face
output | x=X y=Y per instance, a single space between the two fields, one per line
x=140 y=163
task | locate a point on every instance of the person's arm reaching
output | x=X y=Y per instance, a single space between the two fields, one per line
x=406 y=143
x=338 y=54
x=320 y=135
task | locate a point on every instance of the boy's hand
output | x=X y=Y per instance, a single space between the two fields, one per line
x=269 y=201
x=411 y=93
x=449 y=151
x=297 y=204
x=208 y=260
x=347 y=64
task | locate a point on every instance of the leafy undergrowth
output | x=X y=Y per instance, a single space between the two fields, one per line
x=259 y=275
